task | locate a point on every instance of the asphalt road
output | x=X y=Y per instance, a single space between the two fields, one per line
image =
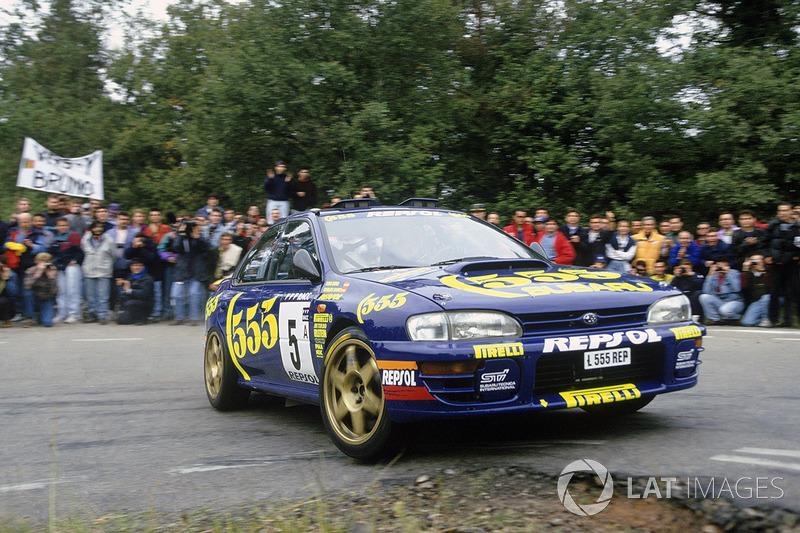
x=100 y=420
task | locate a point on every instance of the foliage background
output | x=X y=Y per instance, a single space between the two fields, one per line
x=570 y=103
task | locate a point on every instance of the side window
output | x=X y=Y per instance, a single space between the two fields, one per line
x=297 y=236
x=256 y=265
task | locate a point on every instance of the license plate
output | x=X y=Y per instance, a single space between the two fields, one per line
x=606 y=358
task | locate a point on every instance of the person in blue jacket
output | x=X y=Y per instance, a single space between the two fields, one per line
x=722 y=297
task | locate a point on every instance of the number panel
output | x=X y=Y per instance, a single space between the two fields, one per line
x=295 y=342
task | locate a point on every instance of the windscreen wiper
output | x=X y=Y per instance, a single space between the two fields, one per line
x=462 y=259
x=379 y=267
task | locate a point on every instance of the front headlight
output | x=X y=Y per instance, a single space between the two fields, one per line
x=669 y=310
x=462 y=325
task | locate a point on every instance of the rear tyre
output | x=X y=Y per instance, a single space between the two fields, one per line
x=351 y=398
x=624 y=407
x=224 y=394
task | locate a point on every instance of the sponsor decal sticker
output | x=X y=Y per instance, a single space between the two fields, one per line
x=321 y=323
x=601 y=395
x=399 y=380
x=372 y=303
x=335 y=287
x=496 y=381
x=600 y=340
x=211 y=306
x=686 y=332
x=541 y=283
x=490 y=351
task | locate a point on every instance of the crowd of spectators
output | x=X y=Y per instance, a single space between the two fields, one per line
x=90 y=262
x=740 y=270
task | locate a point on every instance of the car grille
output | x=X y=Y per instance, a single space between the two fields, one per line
x=560 y=372
x=452 y=389
x=571 y=321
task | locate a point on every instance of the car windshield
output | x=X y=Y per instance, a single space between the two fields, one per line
x=385 y=239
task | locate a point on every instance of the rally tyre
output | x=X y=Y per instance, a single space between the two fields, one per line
x=224 y=394
x=625 y=407
x=351 y=398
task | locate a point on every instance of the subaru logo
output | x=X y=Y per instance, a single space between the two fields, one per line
x=590 y=319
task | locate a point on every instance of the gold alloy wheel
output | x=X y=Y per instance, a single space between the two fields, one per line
x=215 y=361
x=354 y=402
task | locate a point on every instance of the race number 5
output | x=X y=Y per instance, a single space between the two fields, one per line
x=295 y=343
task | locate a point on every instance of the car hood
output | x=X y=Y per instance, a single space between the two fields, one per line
x=523 y=286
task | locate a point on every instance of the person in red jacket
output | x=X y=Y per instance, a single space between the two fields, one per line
x=521 y=229
x=556 y=246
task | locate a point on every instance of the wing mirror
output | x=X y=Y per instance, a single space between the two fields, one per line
x=305 y=266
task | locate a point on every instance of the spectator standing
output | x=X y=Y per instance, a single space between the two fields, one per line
x=783 y=241
x=675 y=228
x=747 y=240
x=40 y=289
x=555 y=244
x=726 y=227
x=155 y=229
x=101 y=214
x=519 y=228
x=98 y=269
x=23 y=206
x=305 y=192
x=191 y=279
x=23 y=244
x=53 y=213
x=214 y=229
x=591 y=245
x=38 y=221
x=279 y=189
x=67 y=257
x=493 y=218
x=621 y=249
x=222 y=260
x=212 y=203
x=9 y=293
x=136 y=294
x=755 y=289
x=685 y=248
x=648 y=244
x=78 y=221
x=702 y=231
x=478 y=211
x=722 y=293
x=572 y=228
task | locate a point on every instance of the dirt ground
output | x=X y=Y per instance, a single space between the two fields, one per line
x=508 y=499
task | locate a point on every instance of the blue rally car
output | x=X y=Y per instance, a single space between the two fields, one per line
x=386 y=315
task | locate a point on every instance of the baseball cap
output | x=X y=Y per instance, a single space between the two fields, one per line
x=540 y=219
x=478 y=207
x=113 y=207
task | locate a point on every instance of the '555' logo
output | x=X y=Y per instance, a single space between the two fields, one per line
x=373 y=304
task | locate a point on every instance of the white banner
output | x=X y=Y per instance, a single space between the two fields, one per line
x=42 y=170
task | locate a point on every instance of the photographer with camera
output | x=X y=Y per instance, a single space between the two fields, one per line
x=690 y=284
x=755 y=288
x=722 y=293
x=190 y=278
x=40 y=289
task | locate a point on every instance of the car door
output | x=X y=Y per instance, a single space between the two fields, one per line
x=251 y=324
x=293 y=360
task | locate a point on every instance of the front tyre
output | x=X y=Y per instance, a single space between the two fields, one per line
x=224 y=394
x=351 y=398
